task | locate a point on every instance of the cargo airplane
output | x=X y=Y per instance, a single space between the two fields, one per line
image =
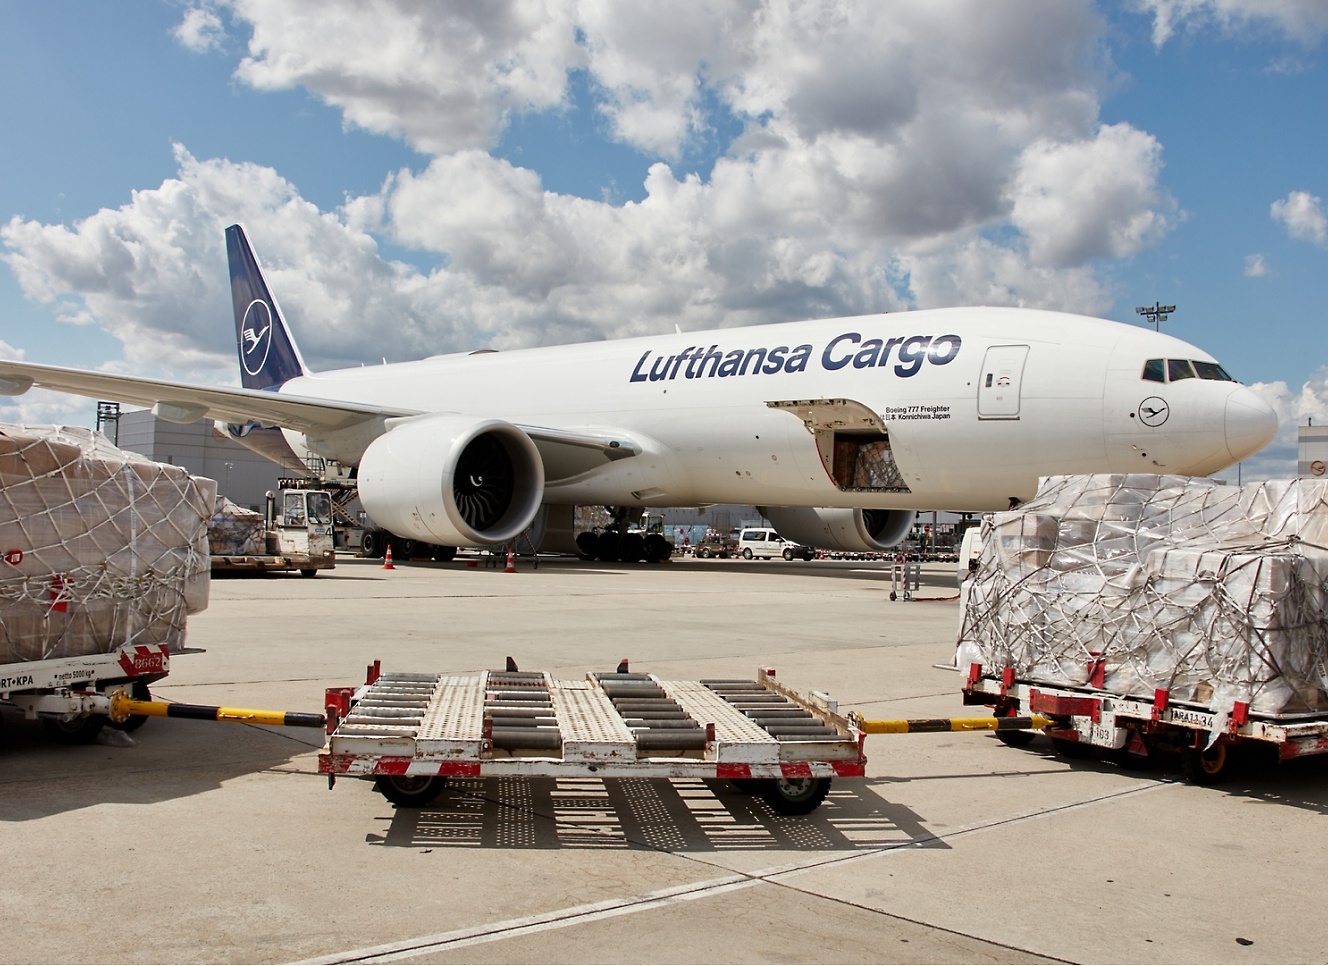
x=839 y=430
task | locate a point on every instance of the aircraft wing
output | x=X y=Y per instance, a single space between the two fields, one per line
x=182 y=403
x=566 y=453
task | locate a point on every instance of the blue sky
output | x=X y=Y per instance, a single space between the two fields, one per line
x=422 y=179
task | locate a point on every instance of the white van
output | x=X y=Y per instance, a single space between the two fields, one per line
x=766 y=544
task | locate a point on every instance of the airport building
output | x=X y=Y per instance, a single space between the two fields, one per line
x=1313 y=456
x=242 y=475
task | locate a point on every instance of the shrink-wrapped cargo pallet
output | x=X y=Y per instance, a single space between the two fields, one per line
x=236 y=530
x=1135 y=583
x=102 y=548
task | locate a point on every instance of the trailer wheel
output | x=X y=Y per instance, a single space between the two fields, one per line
x=409 y=791
x=746 y=786
x=80 y=731
x=1014 y=739
x=1068 y=748
x=1207 y=766
x=139 y=691
x=795 y=796
x=704 y=553
x=308 y=572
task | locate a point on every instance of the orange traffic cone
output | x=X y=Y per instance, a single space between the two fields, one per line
x=511 y=561
x=387 y=559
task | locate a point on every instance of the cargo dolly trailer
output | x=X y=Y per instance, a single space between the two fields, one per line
x=410 y=732
x=1080 y=720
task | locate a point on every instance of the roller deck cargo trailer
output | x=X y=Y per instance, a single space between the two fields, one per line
x=410 y=732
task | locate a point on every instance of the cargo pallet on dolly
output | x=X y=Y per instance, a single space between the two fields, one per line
x=1134 y=729
x=409 y=732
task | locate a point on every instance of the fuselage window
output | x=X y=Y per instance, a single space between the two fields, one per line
x=1179 y=369
x=1211 y=370
x=1154 y=371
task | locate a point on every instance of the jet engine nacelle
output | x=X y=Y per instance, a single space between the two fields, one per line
x=453 y=481
x=851 y=531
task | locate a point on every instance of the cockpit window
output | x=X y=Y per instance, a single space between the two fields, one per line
x=1173 y=370
x=1178 y=369
x=1211 y=370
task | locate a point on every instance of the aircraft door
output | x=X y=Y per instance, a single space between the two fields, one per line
x=998 y=388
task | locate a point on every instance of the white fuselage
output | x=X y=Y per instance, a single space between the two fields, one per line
x=978 y=403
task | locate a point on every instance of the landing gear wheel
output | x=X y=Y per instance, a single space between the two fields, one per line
x=80 y=731
x=444 y=554
x=139 y=691
x=373 y=544
x=404 y=548
x=409 y=791
x=631 y=548
x=795 y=796
x=1207 y=766
x=1068 y=748
x=587 y=544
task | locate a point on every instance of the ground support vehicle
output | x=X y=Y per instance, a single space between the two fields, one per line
x=1133 y=730
x=410 y=732
x=296 y=534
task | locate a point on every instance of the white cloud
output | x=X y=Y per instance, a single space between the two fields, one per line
x=1302 y=214
x=444 y=76
x=200 y=30
x=1256 y=265
x=1091 y=198
x=1305 y=21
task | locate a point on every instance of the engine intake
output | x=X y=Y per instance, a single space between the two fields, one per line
x=452 y=480
x=849 y=531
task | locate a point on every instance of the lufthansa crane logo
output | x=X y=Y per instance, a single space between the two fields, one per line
x=1154 y=411
x=255 y=336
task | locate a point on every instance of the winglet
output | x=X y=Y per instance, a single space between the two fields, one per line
x=268 y=356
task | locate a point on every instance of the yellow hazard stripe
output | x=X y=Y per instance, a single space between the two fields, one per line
x=907 y=726
x=123 y=706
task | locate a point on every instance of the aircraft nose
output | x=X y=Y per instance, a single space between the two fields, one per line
x=1251 y=424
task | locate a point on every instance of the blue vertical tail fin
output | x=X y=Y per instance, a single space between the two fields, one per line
x=268 y=356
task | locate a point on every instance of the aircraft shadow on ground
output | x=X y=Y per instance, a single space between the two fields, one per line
x=669 y=815
x=170 y=759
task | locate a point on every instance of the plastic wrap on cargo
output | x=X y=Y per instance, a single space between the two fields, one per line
x=235 y=530
x=1133 y=583
x=102 y=548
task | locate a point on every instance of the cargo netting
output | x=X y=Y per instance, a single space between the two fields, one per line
x=102 y=548
x=1134 y=583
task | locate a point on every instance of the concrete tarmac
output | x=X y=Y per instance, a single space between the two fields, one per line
x=206 y=842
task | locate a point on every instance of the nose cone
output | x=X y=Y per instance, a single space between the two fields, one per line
x=1251 y=424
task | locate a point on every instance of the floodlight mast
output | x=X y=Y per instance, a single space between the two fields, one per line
x=1156 y=313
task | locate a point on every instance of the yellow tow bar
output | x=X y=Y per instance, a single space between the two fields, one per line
x=906 y=726
x=122 y=706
